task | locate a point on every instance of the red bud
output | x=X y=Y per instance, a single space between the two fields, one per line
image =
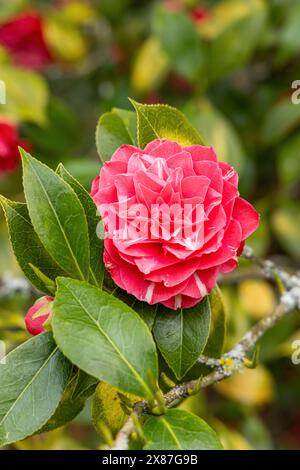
x=38 y=314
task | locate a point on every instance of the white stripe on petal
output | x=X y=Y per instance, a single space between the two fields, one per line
x=149 y=292
x=200 y=285
x=178 y=301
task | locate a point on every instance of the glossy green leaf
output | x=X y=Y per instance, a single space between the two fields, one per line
x=217 y=334
x=104 y=337
x=129 y=119
x=160 y=121
x=79 y=388
x=93 y=221
x=57 y=217
x=32 y=382
x=27 y=246
x=181 y=335
x=179 y=430
x=49 y=284
x=216 y=339
x=146 y=312
x=111 y=133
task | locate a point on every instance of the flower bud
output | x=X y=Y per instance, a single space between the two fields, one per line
x=38 y=314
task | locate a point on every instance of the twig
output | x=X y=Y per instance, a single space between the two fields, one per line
x=122 y=439
x=233 y=360
x=271 y=271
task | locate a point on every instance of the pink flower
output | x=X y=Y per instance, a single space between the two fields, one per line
x=38 y=314
x=173 y=221
x=23 y=37
x=9 y=142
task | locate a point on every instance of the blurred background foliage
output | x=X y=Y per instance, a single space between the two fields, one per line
x=229 y=66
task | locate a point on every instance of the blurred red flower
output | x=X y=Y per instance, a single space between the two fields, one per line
x=23 y=37
x=9 y=142
x=199 y=14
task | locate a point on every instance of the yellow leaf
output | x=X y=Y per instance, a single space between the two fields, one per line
x=257 y=298
x=78 y=12
x=226 y=13
x=108 y=409
x=26 y=95
x=249 y=387
x=230 y=438
x=150 y=67
x=65 y=40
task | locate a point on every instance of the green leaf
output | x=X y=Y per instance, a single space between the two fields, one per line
x=104 y=337
x=181 y=42
x=49 y=284
x=27 y=95
x=179 y=429
x=109 y=408
x=280 y=120
x=146 y=312
x=181 y=335
x=111 y=133
x=32 y=382
x=57 y=217
x=93 y=221
x=27 y=246
x=129 y=119
x=216 y=340
x=160 y=121
x=79 y=388
x=217 y=333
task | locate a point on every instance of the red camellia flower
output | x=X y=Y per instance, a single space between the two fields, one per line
x=38 y=314
x=24 y=39
x=9 y=142
x=173 y=221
